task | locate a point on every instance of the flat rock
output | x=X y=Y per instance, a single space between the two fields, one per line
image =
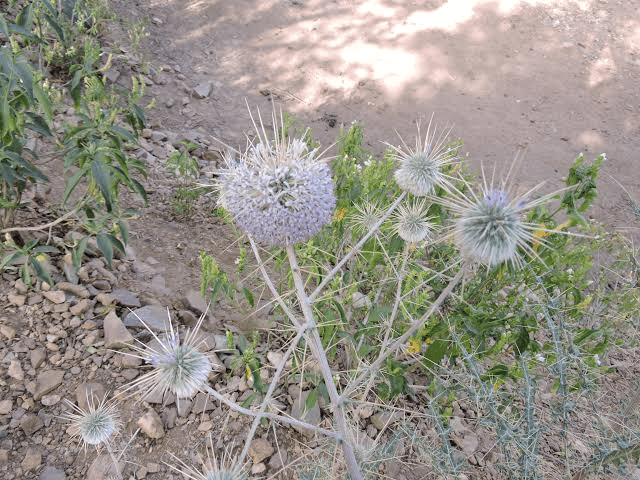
x=77 y=290
x=5 y=407
x=260 y=450
x=103 y=468
x=203 y=90
x=32 y=459
x=52 y=473
x=37 y=356
x=17 y=300
x=202 y=403
x=311 y=416
x=125 y=297
x=7 y=330
x=81 y=307
x=154 y=317
x=55 y=296
x=15 y=370
x=50 y=400
x=279 y=459
x=116 y=334
x=46 y=382
x=30 y=424
x=194 y=301
x=151 y=424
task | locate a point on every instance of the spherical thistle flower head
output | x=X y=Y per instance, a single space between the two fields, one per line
x=225 y=469
x=279 y=191
x=178 y=366
x=411 y=222
x=95 y=425
x=420 y=169
x=490 y=227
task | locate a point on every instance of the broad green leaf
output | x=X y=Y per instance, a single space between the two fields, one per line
x=105 y=246
x=38 y=125
x=103 y=181
x=44 y=102
x=311 y=400
x=248 y=295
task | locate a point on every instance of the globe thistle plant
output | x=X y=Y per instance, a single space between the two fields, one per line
x=366 y=217
x=421 y=168
x=97 y=424
x=490 y=227
x=178 y=366
x=279 y=191
x=411 y=222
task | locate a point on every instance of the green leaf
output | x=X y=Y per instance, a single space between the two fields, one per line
x=44 y=102
x=248 y=401
x=103 y=181
x=124 y=231
x=38 y=125
x=248 y=295
x=435 y=352
x=105 y=246
x=311 y=400
x=56 y=27
x=77 y=254
x=25 y=17
x=72 y=183
x=40 y=271
x=116 y=243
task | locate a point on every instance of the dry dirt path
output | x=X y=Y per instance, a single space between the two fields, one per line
x=560 y=77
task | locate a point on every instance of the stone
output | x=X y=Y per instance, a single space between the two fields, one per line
x=101 y=284
x=32 y=459
x=17 y=300
x=30 y=424
x=37 y=356
x=81 y=307
x=52 y=473
x=50 y=400
x=7 y=330
x=4 y=456
x=105 y=298
x=5 y=407
x=20 y=287
x=46 y=382
x=77 y=290
x=154 y=317
x=260 y=450
x=187 y=317
x=89 y=393
x=470 y=443
x=55 y=296
x=202 y=403
x=203 y=90
x=194 y=301
x=116 y=334
x=151 y=424
x=279 y=459
x=275 y=358
x=125 y=298
x=311 y=416
x=258 y=468
x=103 y=468
x=15 y=370
x=184 y=407
x=360 y=300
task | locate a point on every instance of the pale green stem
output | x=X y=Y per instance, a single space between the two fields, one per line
x=315 y=344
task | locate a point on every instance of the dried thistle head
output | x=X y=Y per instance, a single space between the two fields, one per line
x=178 y=365
x=279 y=191
x=212 y=468
x=420 y=169
x=97 y=424
x=411 y=222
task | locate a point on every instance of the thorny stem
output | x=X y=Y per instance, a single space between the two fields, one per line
x=272 y=387
x=315 y=344
x=375 y=366
x=394 y=312
x=271 y=416
x=329 y=276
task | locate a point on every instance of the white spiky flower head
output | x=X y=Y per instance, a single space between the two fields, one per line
x=366 y=217
x=420 y=169
x=213 y=469
x=490 y=226
x=177 y=366
x=279 y=191
x=95 y=425
x=411 y=222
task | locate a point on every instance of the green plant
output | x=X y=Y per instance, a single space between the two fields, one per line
x=29 y=260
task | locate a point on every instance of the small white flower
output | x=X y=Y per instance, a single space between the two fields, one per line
x=421 y=169
x=178 y=367
x=95 y=425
